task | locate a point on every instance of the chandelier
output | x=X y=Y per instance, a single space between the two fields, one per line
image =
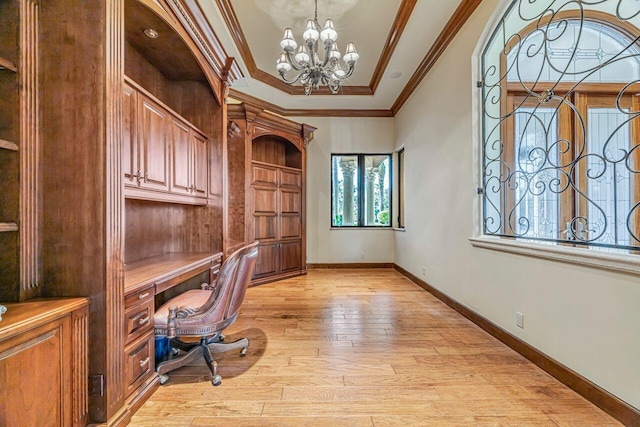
x=312 y=71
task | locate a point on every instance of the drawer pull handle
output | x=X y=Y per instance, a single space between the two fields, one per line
x=143 y=296
x=144 y=362
x=143 y=320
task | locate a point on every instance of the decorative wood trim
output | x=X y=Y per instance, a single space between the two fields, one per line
x=30 y=152
x=606 y=401
x=352 y=265
x=239 y=39
x=404 y=13
x=114 y=207
x=195 y=22
x=80 y=366
x=456 y=22
x=264 y=105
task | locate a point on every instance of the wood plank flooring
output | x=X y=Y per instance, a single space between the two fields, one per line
x=363 y=348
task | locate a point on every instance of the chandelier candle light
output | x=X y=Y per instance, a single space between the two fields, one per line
x=306 y=59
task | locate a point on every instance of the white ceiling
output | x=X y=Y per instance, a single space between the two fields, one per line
x=366 y=22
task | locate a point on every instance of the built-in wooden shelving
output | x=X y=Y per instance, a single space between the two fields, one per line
x=8 y=226
x=5 y=64
x=8 y=145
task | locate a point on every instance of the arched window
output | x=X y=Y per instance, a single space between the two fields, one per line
x=561 y=124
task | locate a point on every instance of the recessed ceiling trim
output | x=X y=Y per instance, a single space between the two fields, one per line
x=239 y=39
x=404 y=13
x=243 y=97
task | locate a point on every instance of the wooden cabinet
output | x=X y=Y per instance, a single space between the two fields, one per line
x=153 y=146
x=165 y=158
x=43 y=363
x=276 y=196
x=267 y=159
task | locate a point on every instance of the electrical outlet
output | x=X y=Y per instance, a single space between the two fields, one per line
x=519 y=319
x=424 y=271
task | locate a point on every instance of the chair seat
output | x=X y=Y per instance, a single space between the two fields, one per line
x=193 y=298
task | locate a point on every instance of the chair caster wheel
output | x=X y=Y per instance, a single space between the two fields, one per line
x=164 y=379
x=221 y=338
x=217 y=380
x=243 y=352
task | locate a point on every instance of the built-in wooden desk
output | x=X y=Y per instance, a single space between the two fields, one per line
x=142 y=280
x=165 y=271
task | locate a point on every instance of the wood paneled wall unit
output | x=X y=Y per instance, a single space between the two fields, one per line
x=267 y=167
x=86 y=98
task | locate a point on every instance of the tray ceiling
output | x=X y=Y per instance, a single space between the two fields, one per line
x=392 y=37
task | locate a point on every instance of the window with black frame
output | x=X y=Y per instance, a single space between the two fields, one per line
x=361 y=190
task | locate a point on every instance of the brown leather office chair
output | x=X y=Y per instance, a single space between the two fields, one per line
x=205 y=313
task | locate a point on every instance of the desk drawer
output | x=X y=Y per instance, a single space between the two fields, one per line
x=138 y=319
x=137 y=297
x=139 y=361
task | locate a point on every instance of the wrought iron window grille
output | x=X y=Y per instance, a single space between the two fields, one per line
x=561 y=123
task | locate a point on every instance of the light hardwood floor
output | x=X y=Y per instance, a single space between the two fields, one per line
x=363 y=348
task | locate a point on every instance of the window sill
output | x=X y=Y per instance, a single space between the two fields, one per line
x=361 y=228
x=581 y=256
x=402 y=229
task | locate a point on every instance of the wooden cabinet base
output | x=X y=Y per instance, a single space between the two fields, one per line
x=123 y=417
x=269 y=279
x=43 y=363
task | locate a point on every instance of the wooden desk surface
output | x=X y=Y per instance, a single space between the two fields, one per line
x=22 y=316
x=146 y=272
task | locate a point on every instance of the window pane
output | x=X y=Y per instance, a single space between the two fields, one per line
x=608 y=178
x=345 y=191
x=535 y=176
x=377 y=199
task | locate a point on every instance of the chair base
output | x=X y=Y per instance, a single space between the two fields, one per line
x=191 y=351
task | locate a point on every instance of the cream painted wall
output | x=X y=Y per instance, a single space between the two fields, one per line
x=586 y=318
x=342 y=135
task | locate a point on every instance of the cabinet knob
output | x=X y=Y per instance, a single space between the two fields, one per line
x=144 y=362
x=143 y=296
x=143 y=320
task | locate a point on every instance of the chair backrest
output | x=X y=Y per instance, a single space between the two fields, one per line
x=231 y=285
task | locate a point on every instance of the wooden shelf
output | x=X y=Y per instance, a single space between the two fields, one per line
x=8 y=145
x=5 y=64
x=8 y=226
x=162 y=269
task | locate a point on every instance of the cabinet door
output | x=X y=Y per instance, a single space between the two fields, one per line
x=290 y=256
x=265 y=213
x=267 y=261
x=180 y=158
x=153 y=145
x=129 y=141
x=32 y=379
x=200 y=165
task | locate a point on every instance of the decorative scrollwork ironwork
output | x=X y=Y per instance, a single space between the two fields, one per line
x=561 y=123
